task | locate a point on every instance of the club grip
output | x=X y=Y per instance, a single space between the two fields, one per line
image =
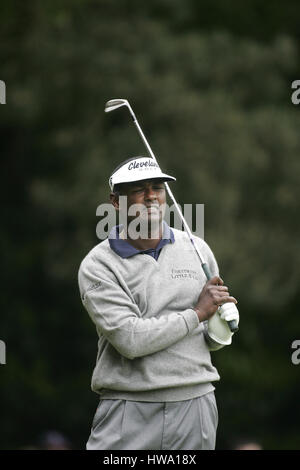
x=206 y=271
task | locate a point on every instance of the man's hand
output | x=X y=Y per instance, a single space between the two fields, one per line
x=213 y=294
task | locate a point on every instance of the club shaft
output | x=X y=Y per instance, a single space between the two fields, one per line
x=167 y=188
x=232 y=324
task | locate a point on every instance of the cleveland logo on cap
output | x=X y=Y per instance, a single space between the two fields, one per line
x=137 y=169
x=135 y=164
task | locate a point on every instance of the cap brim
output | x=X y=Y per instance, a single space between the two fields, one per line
x=138 y=169
x=163 y=177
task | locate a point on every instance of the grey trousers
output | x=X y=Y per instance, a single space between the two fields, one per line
x=134 y=425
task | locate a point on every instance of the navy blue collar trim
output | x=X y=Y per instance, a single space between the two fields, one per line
x=126 y=250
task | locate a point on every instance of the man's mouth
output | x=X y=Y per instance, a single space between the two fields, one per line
x=152 y=210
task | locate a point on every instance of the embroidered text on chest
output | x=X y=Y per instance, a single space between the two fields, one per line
x=184 y=274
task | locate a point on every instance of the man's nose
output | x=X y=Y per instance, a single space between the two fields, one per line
x=150 y=194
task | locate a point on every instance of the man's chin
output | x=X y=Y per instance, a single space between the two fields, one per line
x=151 y=226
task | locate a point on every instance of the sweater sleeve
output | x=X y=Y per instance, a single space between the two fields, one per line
x=118 y=318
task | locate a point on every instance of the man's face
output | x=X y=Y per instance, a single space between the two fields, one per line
x=147 y=199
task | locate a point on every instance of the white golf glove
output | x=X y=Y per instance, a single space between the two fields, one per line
x=217 y=326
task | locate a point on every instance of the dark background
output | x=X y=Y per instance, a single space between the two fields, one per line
x=210 y=82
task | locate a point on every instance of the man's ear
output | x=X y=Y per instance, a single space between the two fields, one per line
x=114 y=199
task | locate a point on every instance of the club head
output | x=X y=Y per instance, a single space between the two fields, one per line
x=111 y=105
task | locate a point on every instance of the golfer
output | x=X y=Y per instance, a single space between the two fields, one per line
x=157 y=321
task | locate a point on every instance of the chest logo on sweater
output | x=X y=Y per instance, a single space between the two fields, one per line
x=185 y=274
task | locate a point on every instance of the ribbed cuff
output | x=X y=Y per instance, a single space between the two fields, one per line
x=191 y=319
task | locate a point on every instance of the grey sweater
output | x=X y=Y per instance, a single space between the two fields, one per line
x=151 y=344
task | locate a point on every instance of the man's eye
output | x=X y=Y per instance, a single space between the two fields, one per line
x=141 y=189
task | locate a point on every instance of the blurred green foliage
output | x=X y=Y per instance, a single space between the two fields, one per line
x=211 y=87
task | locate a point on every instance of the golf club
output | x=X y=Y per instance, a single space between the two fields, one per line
x=227 y=310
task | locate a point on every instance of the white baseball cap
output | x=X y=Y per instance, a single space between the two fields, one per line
x=137 y=169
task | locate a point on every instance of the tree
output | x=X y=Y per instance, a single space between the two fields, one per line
x=217 y=111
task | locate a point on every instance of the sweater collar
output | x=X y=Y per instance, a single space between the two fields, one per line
x=126 y=250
